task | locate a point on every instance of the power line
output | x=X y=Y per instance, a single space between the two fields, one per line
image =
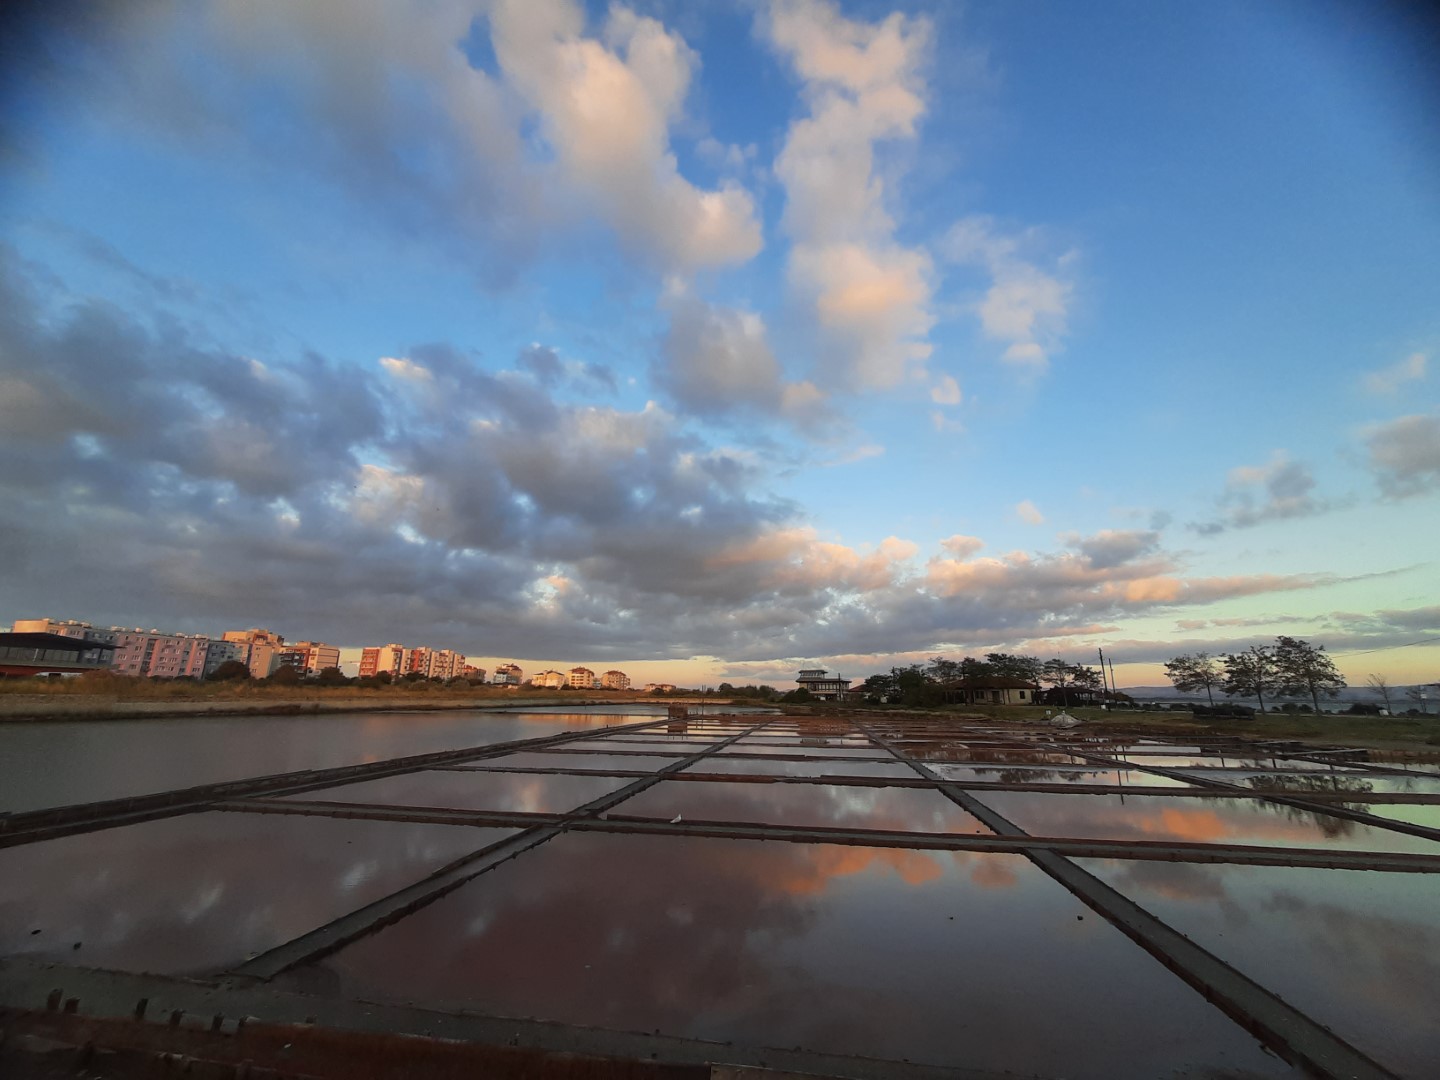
x=1388 y=648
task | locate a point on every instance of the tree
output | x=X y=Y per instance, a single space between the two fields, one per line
x=881 y=687
x=916 y=688
x=284 y=675
x=1380 y=687
x=1251 y=673
x=1008 y=666
x=1086 y=678
x=331 y=676
x=1061 y=676
x=1198 y=672
x=1305 y=668
x=229 y=671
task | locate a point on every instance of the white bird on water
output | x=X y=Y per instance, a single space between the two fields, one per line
x=675 y=820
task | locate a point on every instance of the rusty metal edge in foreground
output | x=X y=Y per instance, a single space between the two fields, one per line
x=30 y=991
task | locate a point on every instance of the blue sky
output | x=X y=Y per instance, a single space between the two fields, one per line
x=704 y=340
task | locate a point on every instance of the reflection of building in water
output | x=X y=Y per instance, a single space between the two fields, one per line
x=823 y=726
x=821 y=685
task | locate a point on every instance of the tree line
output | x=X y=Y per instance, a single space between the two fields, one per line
x=1289 y=668
x=943 y=681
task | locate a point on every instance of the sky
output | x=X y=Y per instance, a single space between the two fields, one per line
x=709 y=341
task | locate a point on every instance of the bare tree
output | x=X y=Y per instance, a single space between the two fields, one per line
x=1380 y=687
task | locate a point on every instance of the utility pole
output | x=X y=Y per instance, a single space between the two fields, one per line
x=1105 y=685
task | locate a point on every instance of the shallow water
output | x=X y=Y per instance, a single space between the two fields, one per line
x=1357 y=950
x=906 y=809
x=203 y=892
x=472 y=789
x=55 y=764
x=1193 y=820
x=934 y=957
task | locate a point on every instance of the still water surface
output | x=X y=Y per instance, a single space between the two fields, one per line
x=56 y=764
x=936 y=957
x=945 y=957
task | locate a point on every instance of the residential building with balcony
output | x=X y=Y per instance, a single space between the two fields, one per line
x=389 y=658
x=155 y=654
x=615 y=680
x=820 y=685
x=311 y=657
x=582 y=678
x=549 y=680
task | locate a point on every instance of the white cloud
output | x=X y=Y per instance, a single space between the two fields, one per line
x=1024 y=306
x=1028 y=512
x=1391 y=379
x=606 y=110
x=946 y=391
x=961 y=546
x=1405 y=455
x=863 y=84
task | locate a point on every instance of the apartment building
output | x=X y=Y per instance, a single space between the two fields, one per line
x=311 y=657
x=262 y=648
x=389 y=658
x=549 y=680
x=615 y=680
x=582 y=678
x=222 y=651
x=71 y=628
x=434 y=663
x=508 y=675
x=154 y=654
x=147 y=653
